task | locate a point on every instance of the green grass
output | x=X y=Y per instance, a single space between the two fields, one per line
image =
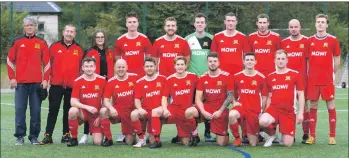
x=209 y=150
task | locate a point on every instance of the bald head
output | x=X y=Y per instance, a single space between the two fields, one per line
x=294 y=27
x=120 y=68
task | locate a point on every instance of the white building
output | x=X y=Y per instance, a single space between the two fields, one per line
x=47 y=14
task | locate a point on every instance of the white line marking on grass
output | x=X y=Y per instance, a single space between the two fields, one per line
x=11 y=104
x=336 y=110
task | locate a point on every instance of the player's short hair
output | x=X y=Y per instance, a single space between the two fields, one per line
x=249 y=54
x=88 y=59
x=200 y=15
x=29 y=20
x=170 y=19
x=280 y=51
x=69 y=25
x=94 y=44
x=180 y=58
x=149 y=59
x=262 y=16
x=213 y=55
x=131 y=14
x=230 y=14
x=322 y=16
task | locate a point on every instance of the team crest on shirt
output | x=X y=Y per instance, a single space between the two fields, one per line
x=236 y=42
x=138 y=43
x=117 y=86
x=288 y=78
x=130 y=84
x=269 y=42
x=254 y=82
x=325 y=44
x=96 y=87
x=301 y=46
x=37 y=45
x=188 y=83
x=75 y=52
x=219 y=83
x=205 y=44
x=158 y=84
x=176 y=46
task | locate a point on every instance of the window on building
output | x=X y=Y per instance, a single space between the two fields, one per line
x=41 y=26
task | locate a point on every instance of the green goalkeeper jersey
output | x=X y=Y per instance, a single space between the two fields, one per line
x=200 y=48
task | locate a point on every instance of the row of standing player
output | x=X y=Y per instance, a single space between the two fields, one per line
x=226 y=43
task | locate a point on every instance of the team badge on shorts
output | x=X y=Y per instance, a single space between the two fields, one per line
x=75 y=52
x=138 y=43
x=130 y=84
x=37 y=45
x=288 y=78
x=96 y=87
x=325 y=44
x=205 y=44
x=254 y=82
x=269 y=42
x=236 y=42
x=219 y=83
x=176 y=45
x=158 y=84
x=188 y=83
x=301 y=46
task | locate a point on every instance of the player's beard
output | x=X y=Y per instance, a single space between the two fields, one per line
x=213 y=69
x=171 y=33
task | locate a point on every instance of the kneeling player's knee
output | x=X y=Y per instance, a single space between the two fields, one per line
x=97 y=141
x=103 y=111
x=130 y=140
x=134 y=115
x=73 y=112
x=288 y=143
x=263 y=122
x=156 y=112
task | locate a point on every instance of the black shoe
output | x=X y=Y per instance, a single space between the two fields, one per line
x=107 y=142
x=155 y=145
x=73 y=142
x=194 y=141
x=175 y=140
x=47 y=139
x=261 y=139
x=304 y=138
x=244 y=140
x=65 y=138
x=208 y=138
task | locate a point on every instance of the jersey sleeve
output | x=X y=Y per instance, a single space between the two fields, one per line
x=263 y=87
x=200 y=85
x=154 y=50
x=268 y=86
x=230 y=83
x=138 y=90
x=147 y=46
x=186 y=49
x=11 y=60
x=45 y=58
x=214 y=44
x=278 y=42
x=166 y=88
x=117 y=48
x=299 y=82
x=336 y=48
x=246 y=45
x=108 y=90
x=76 y=90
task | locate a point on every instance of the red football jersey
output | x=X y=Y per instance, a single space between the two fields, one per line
x=321 y=64
x=182 y=89
x=265 y=46
x=215 y=88
x=230 y=50
x=133 y=51
x=89 y=92
x=122 y=91
x=250 y=89
x=166 y=51
x=150 y=92
x=283 y=90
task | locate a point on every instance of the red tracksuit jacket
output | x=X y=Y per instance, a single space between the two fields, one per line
x=92 y=52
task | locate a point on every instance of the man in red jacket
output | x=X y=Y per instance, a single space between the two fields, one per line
x=27 y=60
x=65 y=58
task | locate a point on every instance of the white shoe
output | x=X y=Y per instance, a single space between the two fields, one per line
x=120 y=139
x=280 y=141
x=84 y=139
x=269 y=142
x=140 y=143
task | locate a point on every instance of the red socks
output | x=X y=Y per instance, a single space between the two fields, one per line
x=156 y=127
x=137 y=126
x=305 y=124
x=270 y=130
x=73 y=127
x=332 y=119
x=243 y=127
x=312 y=121
x=105 y=125
x=234 y=128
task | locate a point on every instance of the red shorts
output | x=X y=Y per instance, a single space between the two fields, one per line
x=327 y=92
x=125 y=117
x=178 y=117
x=91 y=119
x=219 y=125
x=250 y=119
x=286 y=121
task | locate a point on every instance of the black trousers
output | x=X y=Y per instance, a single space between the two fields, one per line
x=56 y=94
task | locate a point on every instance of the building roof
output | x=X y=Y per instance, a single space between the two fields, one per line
x=37 y=7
